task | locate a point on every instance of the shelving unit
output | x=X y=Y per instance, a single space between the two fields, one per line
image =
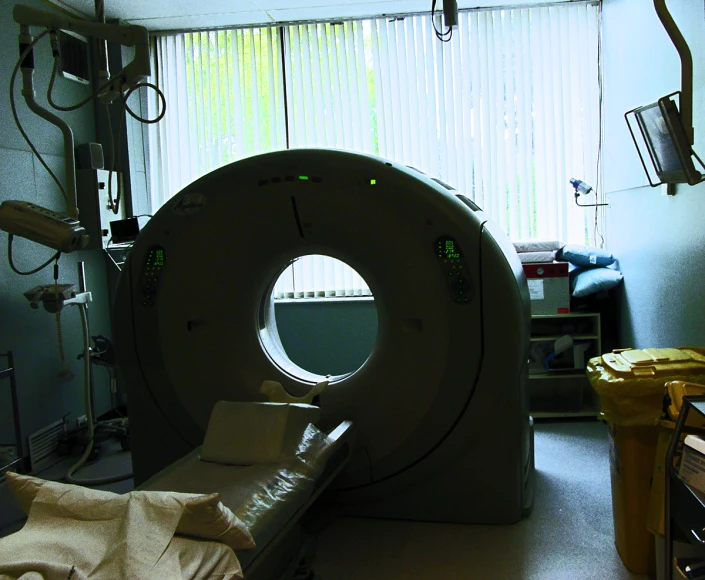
x=558 y=386
x=8 y=372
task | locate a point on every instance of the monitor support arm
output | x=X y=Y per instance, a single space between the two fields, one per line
x=131 y=75
x=686 y=99
x=136 y=36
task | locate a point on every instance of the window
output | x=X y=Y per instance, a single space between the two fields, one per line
x=506 y=112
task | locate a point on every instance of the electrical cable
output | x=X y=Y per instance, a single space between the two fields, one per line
x=60 y=340
x=10 y=238
x=17 y=119
x=85 y=101
x=116 y=146
x=111 y=137
x=442 y=36
x=161 y=96
x=596 y=231
x=64 y=373
x=126 y=108
x=69 y=477
x=115 y=203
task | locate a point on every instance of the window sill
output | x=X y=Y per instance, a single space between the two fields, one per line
x=326 y=300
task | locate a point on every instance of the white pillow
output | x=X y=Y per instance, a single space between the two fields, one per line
x=251 y=433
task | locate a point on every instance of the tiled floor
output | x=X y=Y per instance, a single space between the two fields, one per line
x=569 y=536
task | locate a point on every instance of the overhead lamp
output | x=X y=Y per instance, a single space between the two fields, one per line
x=666 y=133
x=666 y=140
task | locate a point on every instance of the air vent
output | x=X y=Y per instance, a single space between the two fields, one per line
x=43 y=444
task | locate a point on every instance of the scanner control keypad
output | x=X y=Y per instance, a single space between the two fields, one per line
x=151 y=274
x=455 y=269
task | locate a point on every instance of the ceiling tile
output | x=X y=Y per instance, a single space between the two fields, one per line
x=133 y=10
x=83 y=7
x=191 y=14
x=140 y=9
x=314 y=4
x=206 y=21
x=357 y=10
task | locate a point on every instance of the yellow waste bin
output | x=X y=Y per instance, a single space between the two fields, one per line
x=630 y=384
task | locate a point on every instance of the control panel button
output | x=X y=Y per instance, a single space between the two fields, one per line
x=450 y=258
x=151 y=274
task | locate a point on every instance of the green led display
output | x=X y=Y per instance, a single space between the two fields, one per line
x=373 y=182
x=303 y=177
x=159 y=258
x=450 y=250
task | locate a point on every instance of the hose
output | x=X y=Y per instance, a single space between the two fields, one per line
x=89 y=414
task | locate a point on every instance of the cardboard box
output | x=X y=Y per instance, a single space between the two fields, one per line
x=692 y=469
x=549 y=287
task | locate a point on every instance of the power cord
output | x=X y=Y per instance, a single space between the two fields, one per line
x=442 y=36
x=115 y=204
x=85 y=101
x=89 y=413
x=161 y=96
x=25 y=52
x=596 y=230
x=10 y=238
x=124 y=107
x=65 y=373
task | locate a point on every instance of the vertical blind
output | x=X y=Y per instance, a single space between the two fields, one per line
x=213 y=82
x=320 y=276
x=507 y=112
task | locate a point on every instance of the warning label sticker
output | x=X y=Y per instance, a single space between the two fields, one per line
x=536 y=289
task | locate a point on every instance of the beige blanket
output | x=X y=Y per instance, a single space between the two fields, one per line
x=69 y=535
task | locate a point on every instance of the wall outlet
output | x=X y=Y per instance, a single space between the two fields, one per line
x=82 y=421
x=8 y=453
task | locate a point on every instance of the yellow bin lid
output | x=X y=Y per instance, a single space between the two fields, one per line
x=655 y=362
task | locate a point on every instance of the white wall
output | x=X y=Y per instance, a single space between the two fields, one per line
x=659 y=240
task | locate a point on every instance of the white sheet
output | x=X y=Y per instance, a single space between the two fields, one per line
x=536 y=257
x=522 y=246
x=68 y=535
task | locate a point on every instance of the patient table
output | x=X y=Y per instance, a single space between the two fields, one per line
x=270 y=492
x=270 y=499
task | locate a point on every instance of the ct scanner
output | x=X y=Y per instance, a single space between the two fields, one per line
x=439 y=407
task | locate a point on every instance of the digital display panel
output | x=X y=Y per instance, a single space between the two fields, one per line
x=448 y=249
x=153 y=266
x=159 y=258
